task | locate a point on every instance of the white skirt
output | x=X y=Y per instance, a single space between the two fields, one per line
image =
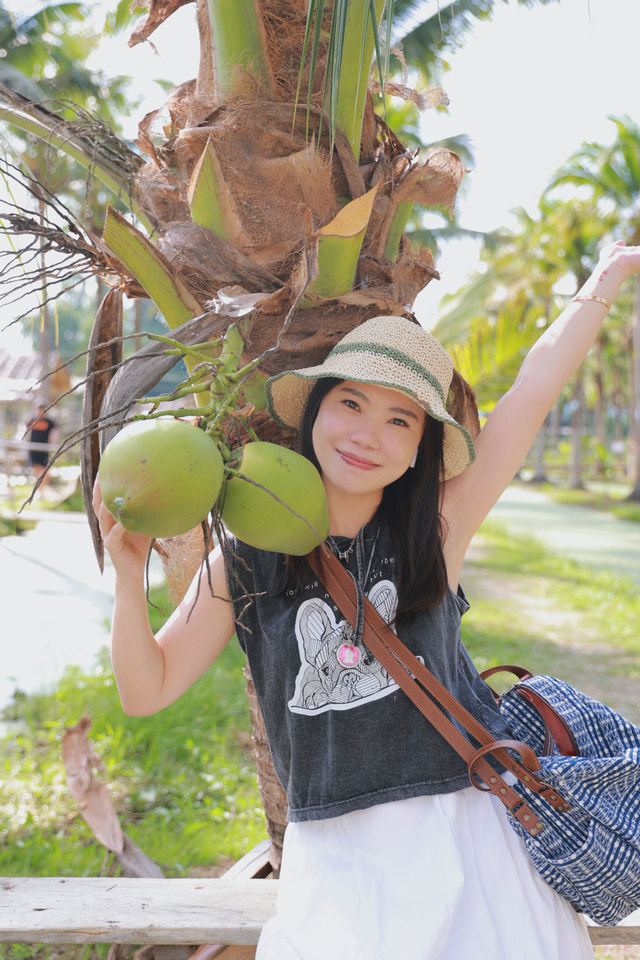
x=430 y=878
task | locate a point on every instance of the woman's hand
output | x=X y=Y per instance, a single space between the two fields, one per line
x=128 y=551
x=615 y=264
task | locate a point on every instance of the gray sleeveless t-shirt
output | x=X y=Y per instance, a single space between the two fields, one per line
x=342 y=735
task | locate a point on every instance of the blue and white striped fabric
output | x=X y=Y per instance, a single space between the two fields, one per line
x=590 y=854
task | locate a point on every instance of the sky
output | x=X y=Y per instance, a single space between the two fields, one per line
x=527 y=87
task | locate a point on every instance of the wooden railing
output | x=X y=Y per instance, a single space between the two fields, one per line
x=134 y=910
x=14 y=454
x=214 y=917
x=228 y=910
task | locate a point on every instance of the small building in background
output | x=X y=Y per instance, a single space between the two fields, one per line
x=18 y=394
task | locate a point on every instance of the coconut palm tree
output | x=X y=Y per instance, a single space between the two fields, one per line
x=494 y=320
x=612 y=174
x=44 y=59
x=271 y=195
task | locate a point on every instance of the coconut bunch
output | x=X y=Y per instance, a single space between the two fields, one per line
x=162 y=475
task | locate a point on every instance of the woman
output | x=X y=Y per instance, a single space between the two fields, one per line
x=389 y=852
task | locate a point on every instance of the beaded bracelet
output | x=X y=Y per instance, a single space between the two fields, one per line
x=590 y=297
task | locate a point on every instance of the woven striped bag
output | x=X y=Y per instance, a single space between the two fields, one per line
x=591 y=755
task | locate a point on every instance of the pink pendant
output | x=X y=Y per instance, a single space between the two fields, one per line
x=348 y=655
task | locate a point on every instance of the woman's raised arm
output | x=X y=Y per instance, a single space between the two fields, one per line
x=153 y=671
x=513 y=424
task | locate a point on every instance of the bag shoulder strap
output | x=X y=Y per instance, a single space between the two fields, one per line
x=557 y=730
x=415 y=678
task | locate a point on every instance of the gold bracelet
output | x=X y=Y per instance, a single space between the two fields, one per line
x=590 y=297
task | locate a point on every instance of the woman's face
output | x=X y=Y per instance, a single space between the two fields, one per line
x=365 y=437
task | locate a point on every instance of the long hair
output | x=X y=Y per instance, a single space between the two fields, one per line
x=411 y=505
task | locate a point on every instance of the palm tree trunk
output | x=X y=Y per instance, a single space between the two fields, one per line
x=634 y=422
x=44 y=337
x=539 y=447
x=599 y=411
x=577 y=425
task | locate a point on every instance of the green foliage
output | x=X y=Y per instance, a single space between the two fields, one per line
x=68 y=951
x=44 y=52
x=11 y=526
x=123 y=16
x=611 y=173
x=182 y=780
x=526 y=277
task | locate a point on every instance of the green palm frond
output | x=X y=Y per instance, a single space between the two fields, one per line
x=488 y=336
x=87 y=142
x=425 y=37
x=353 y=38
x=464 y=309
x=612 y=173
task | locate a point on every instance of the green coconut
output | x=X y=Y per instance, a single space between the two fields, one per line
x=294 y=523
x=160 y=477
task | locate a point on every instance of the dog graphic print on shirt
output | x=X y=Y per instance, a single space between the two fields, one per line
x=328 y=680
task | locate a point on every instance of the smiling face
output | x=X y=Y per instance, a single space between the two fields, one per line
x=364 y=438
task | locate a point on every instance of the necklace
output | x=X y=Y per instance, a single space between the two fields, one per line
x=342 y=554
x=348 y=653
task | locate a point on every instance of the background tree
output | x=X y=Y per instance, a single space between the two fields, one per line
x=611 y=174
x=529 y=273
x=44 y=58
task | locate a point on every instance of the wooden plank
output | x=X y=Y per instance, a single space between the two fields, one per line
x=134 y=910
x=254 y=865
x=147 y=911
x=627 y=931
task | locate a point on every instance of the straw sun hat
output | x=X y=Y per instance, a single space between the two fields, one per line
x=390 y=352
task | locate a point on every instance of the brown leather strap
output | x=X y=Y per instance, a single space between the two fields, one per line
x=556 y=729
x=414 y=678
x=554 y=723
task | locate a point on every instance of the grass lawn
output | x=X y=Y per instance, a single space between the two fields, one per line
x=548 y=613
x=182 y=780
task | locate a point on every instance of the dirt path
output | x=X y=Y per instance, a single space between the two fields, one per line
x=600 y=669
x=592 y=537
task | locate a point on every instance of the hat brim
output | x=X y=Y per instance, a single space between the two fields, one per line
x=288 y=392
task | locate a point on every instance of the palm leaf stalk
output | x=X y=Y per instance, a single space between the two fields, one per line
x=113 y=168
